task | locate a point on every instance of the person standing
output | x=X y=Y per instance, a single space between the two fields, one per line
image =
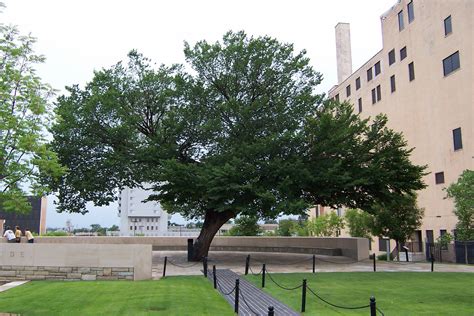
x=18 y=234
x=29 y=236
x=9 y=235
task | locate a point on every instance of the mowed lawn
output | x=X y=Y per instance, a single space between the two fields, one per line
x=396 y=293
x=189 y=295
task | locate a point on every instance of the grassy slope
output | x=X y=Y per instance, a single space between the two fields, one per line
x=190 y=295
x=397 y=293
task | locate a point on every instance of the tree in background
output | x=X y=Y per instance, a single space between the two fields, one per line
x=359 y=223
x=397 y=219
x=25 y=116
x=113 y=228
x=326 y=225
x=462 y=191
x=286 y=227
x=245 y=226
x=244 y=134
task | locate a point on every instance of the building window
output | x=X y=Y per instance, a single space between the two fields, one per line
x=411 y=12
x=369 y=74
x=448 y=28
x=401 y=26
x=337 y=97
x=383 y=244
x=360 y=105
x=457 y=138
x=392 y=83
x=148 y=228
x=374 y=96
x=358 y=83
x=348 y=90
x=439 y=177
x=377 y=68
x=131 y=227
x=443 y=232
x=403 y=53
x=391 y=57
x=379 y=93
x=411 y=71
x=451 y=63
x=151 y=227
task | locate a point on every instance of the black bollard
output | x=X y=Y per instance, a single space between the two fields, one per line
x=314 y=263
x=271 y=311
x=373 y=308
x=247 y=263
x=432 y=263
x=263 y=275
x=236 y=301
x=214 y=276
x=303 y=297
x=204 y=266
x=190 y=249
x=406 y=253
x=164 y=266
x=375 y=265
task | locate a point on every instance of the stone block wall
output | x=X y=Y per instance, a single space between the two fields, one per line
x=15 y=273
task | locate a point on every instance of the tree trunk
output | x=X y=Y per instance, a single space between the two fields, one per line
x=212 y=222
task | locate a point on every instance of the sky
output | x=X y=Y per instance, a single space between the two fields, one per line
x=78 y=37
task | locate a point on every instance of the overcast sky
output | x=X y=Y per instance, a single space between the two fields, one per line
x=79 y=36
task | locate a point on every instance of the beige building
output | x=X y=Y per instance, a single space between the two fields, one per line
x=422 y=79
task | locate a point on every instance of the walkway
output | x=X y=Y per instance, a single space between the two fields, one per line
x=252 y=300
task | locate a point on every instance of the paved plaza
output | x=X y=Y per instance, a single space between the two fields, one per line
x=288 y=262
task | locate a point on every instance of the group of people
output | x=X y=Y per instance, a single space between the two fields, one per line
x=16 y=237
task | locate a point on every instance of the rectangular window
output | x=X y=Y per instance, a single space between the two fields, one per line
x=369 y=74
x=131 y=227
x=360 y=105
x=429 y=236
x=411 y=71
x=439 y=177
x=391 y=57
x=377 y=68
x=379 y=93
x=358 y=83
x=374 y=97
x=411 y=12
x=383 y=244
x=451 y=63
x=443 y=232
x=392 y=84
x=348 y=91
x=401 y=26
x=403 y=53
x=337 y=97
x=457 y=138
x=448 y=28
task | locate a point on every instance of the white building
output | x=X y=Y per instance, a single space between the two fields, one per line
x=138 y=218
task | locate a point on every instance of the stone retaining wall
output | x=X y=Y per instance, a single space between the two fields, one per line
x=15 y=273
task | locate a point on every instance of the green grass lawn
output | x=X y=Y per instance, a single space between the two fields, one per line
x=190 y=295
x=396 y=293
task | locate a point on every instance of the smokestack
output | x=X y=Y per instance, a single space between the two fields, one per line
x=343 y=51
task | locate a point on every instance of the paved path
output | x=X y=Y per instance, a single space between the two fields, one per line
x=252 y=300
x=287 y=262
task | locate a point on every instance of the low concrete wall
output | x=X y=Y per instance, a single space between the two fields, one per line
x=355 y=248
x=76 y=261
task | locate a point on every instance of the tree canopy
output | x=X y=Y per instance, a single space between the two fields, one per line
x=462 y=191
x=242 y=133
x=25 y=115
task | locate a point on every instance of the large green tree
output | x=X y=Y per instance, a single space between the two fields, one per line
x=25 y=116
x=243 y=133
x=462 y=191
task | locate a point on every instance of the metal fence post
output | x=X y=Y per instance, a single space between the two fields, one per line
x=164 y=266
x=263 y=275
x=190 y=249
x=303 y=297
x=373 y=308
x=375 y=265
x=247 y=263
x=214 y=276
x=432 y=263
x=314 y=263
x=236 y=301
x=204 y=266
x=271 y=311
